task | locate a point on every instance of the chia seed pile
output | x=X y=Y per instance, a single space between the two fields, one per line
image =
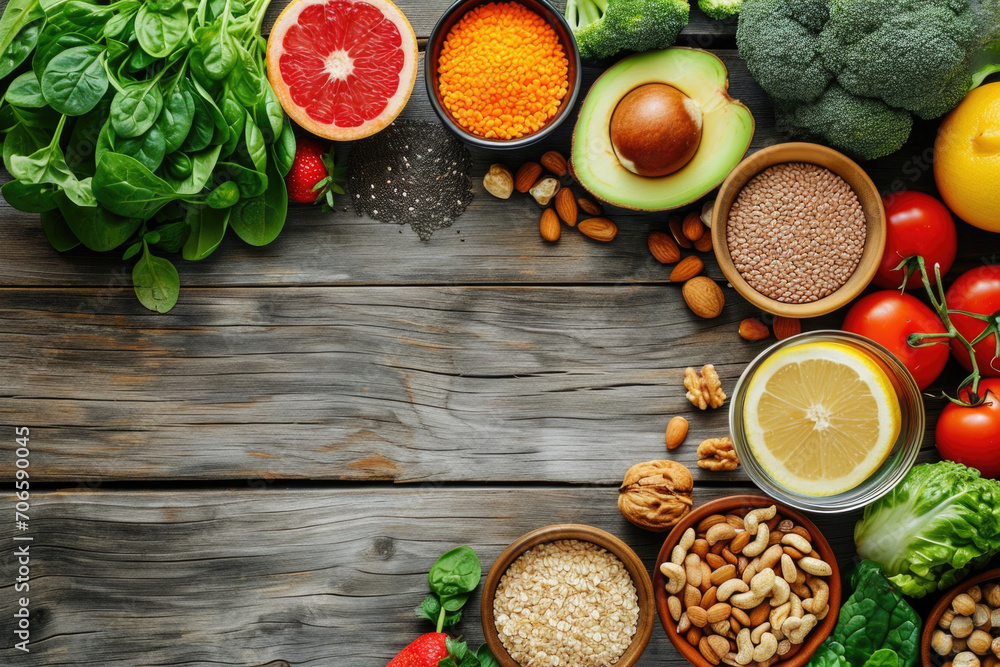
x=412 y=173
x=796 y=232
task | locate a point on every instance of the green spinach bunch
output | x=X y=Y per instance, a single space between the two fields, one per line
x=148 y=124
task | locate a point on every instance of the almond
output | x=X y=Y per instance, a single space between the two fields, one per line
x=677 y=231
x=599 y=229
x=785 y=327
x=753 y=329
x=692 y=227
x=663 y=248
x=687 y=269
x=526 y=176
x=555 y=163
x=677 y=430
x=549 y=226
x=566 y=206
x=704 y=297
x=589 y=207
x=704 y=244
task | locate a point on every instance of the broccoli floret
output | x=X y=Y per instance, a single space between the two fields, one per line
x=720 y=9
x=604 y=28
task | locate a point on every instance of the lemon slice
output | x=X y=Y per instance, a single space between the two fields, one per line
x=820 y=417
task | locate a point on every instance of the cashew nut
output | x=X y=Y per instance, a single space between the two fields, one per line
x=768 y=647
x=754 y=517
x=762 y=583
x=780 y=592
x=815 y=566
x=692 y=566
x=758 y=631
x=744 y=655
x=796 y=606
x=779 y=614
x=796 y=541
x=675 y=607
x=759 y=543
x=748 y=573
x=788 y=569
x=719 y=532
x=677 y=555
x=676 y=579
x=687 y=539
x=745 y=600
x=796 y=629
x=727 y=588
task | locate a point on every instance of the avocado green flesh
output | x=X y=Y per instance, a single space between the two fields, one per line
x=726 y=132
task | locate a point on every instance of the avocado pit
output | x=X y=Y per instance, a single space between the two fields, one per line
x=655 y=130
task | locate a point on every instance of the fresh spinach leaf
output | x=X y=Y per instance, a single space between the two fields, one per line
x=455 y=573
x=22 y=140
x=155 y=281
x=247 y=82
x=132 y=250
x=221 y=127
x=25 y=91
x=173 y=235
x=148 y=149
x=224 y=195
x=250 y=182
x=105 y=142
x=86 y=13
x=119 y=23
x=884 y=657
x=178 y=166
x=58 y=233
x=202 y=127
x=29 y=197
x=48 y=165
x=135 y=108
x=208 y=228
x=255 y=144
x=20 y=28
x=74 y=81
x=51 y=43
x=202 y=165
x=268 y=114
x=485 y=657
x=96 y=227
x=83 y=140
x=125 y=187
x=217 y=48
x=284 y=149
x=177 y=118
x=235 y=117
x=160 y=32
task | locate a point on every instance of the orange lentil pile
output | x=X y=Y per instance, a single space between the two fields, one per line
x=502 y=72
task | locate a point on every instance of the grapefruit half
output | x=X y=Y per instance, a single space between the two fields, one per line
x=342 y=69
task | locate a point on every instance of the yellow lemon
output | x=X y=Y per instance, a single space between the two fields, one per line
x=967 y=158
x=820 y=418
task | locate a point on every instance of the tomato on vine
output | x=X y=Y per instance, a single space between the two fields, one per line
x=972 y=435
x=977 y=292
x=916 y=224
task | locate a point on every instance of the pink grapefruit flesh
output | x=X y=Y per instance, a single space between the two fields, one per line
x=342 y=69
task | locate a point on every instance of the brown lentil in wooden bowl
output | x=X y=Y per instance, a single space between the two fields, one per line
x=727 y=519
x=798 y=229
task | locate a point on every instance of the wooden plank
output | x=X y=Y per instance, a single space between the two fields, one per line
x=272 y=577
x=570 y=384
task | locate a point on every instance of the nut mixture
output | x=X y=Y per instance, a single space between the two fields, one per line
x=747 y=588
x=796 y=232
x=566 y=603
x=968 y=633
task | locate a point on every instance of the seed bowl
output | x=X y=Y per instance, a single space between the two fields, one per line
x=433 y=54
x=730 y=504
x=842 y=166
x=582 y=533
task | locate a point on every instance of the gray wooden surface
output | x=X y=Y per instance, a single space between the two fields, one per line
x=264 y=475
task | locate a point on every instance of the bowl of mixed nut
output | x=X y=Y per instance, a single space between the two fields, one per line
x=963 y=628
x=567 y=595
x=743 y=580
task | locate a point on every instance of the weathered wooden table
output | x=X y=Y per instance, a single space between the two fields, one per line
x=264 y=475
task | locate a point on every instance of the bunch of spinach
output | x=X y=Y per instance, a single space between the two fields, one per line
x=143 y=123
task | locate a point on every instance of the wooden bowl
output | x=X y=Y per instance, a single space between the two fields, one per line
x=927 y=657
x=432 y=54
x=571 y=531
x=838 y=163
x=723 y=506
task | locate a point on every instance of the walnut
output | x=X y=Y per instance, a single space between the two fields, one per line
x=656 y=494
x=717 y=454
x=705 y=390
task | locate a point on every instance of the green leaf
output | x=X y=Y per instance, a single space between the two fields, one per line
x=86 y=13
x=148 y=149
x=202 y=164
x=221 y=127
x=58 y=233
x=173 y=235
x=202 y=127
x=83 y=141
x=25 y=91
x=52 y=43
x=22 y=140
x=268 y=113
x=284 y=149
x=217 y=49
x=259 y=220
x=208 y=228
x=829 y=654
x=20 y=28
x=47 y=165
x=485 y=657
x=105 y=142
x=883 y=658
x=178 y=117
x=135 y=109
x=224 y=195
x=96 y=227
x=255 y=144
x=455 y=573
x=118 y=23
x=129 y=189
x=29 y=197
x=160 y=32
x=132 y=250
x=74 y=81
x=456 y=603
x=430 y=608
x=247 y=82
x=156 y=282
x=250 y=182
x=236 y=116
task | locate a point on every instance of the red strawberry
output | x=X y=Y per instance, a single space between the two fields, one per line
x=424 y=651
x=313 y=175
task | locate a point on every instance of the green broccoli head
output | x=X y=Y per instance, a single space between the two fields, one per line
x=604 y=28
x=720 y=9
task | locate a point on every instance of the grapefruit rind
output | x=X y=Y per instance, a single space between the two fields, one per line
x=395 y=104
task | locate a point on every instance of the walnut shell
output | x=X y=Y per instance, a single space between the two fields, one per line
x=656 y=494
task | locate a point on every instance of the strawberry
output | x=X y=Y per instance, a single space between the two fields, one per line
x=424 y=651
x=313 y=175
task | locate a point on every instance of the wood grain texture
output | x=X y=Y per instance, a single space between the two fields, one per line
x=254 y=577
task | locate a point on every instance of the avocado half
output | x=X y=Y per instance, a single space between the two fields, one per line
x=726 y=130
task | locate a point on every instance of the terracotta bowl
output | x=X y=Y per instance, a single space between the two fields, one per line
x=838 y=163
x=928 y=657
x=571 y=531
x=723 y=506
x=432 y=54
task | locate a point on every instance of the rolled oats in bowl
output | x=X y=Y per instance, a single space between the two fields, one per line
x=566 y=603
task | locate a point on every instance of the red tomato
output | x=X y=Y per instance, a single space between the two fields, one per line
x=976 y=291
x=888 y=318
x=917 y=224
x=972 y=435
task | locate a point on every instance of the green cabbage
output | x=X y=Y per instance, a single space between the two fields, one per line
x=940 y=522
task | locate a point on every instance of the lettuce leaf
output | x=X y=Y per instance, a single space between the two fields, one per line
x=940 y=522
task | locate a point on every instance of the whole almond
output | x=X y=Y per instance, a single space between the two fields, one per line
x=663 y=248
x=704 y=244
x=687 y=269
x=555 y=163
x=785 y=327
x=566 y=206
x=526 y=176
x=676 y=225
x=599 y=229
x=704 y=297
x=753 y=329
x=677 y=430
x=692 y=227
x=589 y=207
x=549 y=226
